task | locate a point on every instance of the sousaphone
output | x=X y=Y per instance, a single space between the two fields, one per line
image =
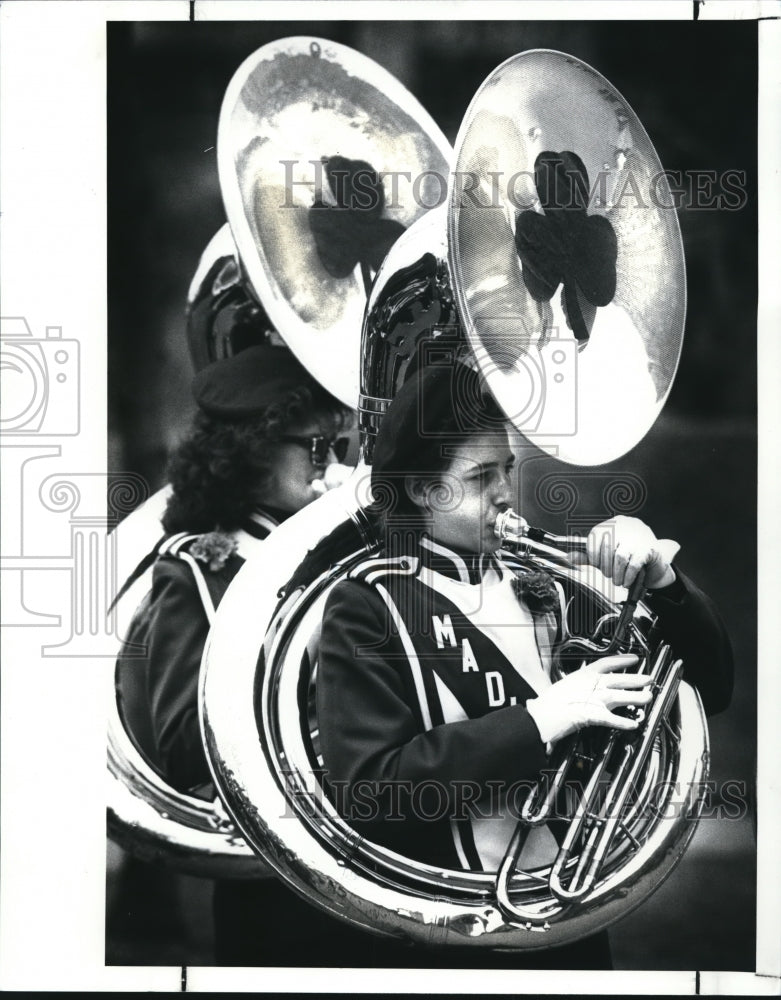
x=524 y=281
x=312 y=136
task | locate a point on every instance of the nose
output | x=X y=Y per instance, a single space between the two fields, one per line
x=503 y=491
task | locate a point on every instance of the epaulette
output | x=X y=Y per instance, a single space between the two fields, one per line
x=167 y=545
x=211 y=548
x=173 y=545
x=373 y=569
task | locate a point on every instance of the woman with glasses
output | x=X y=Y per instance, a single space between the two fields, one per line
x=260 y=443
x=262 y=438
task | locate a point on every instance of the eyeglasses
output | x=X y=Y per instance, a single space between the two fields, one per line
x=319 y=446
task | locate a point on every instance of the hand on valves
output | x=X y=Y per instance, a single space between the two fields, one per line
x=587 y=697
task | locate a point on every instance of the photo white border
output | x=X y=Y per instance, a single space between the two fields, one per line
x=53 y=273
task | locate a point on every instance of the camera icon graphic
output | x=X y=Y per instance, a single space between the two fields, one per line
x=543 y=392
x=536 y=385
x=534 y=380
x=40 y=381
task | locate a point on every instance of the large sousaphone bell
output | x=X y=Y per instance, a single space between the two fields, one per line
x=311 y=136
x=563 y=246
x=312 y=144
x=493 y=287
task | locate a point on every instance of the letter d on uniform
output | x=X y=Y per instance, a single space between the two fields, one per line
x=495 y=687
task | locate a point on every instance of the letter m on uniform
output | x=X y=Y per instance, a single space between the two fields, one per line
x=443 y=631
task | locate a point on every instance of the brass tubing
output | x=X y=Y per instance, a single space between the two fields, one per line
x=582 y=814
x=620 y=789
x=531 y=918
x=542 y=814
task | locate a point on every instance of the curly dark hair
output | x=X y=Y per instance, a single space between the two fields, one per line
x=217 y=472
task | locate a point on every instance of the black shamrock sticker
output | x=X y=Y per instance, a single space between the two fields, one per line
x=566 y=245
x=352 y=231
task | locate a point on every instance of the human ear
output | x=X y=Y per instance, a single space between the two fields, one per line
x=417 y=491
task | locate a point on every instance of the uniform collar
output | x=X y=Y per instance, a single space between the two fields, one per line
x=261 y=522
x=457 y=564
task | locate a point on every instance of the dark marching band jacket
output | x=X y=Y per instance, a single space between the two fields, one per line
x=426 y=664
x=190 y=577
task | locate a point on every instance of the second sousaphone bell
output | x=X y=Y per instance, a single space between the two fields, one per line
x=319 y=154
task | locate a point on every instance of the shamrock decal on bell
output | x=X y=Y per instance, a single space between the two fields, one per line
x=566 y=246
x=352 y=231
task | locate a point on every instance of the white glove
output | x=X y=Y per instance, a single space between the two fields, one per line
x=586 y=696
x=622 y=546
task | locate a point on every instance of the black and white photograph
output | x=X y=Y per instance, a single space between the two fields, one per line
x=388 y=492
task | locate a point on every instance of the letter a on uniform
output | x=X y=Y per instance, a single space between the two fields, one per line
x=468 y=661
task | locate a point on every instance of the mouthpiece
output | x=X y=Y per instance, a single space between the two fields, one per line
x=333 y=476
x=510 y=526
x=514 y=529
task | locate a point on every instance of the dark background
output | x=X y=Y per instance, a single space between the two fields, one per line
x=693 y=86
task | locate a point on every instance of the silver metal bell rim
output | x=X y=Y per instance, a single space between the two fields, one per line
x=342 y=300
x=646 y=313
x=147 y=816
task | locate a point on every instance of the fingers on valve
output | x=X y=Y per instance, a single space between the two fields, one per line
x=608 y=664
x=621 y=722
x=622 y=699
x=602 y=716
x=626 y=681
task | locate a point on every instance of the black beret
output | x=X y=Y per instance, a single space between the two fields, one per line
x=438 y=404
x=244 y=385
